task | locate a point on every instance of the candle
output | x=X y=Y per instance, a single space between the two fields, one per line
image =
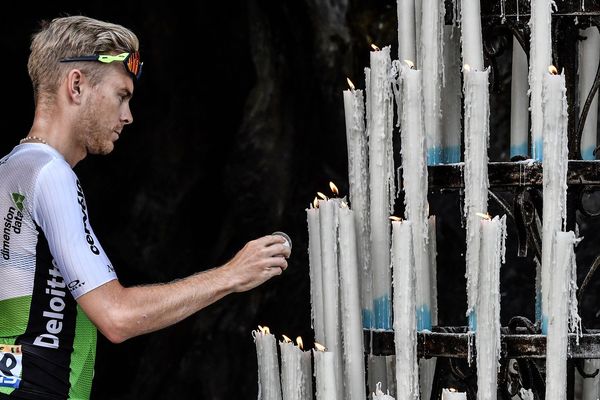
x=414 y=175
x=327 y=388
x=493 y=234
x=554 y=176
x=328 y=213
x=589 y=58
x=477 y=130
x=406 y=30
x=316 y=278
x=519 y=109
x=405 y=334
x=379 y=395
x=381 y=178
x=432 y=34
x=269 y=387
x=354 y=369
x=451 y=96
x=539 y=58
x=452 y=394
x=558 y=316
x=359 y=194
x=296 y=371
x=591 y=386
x=470 y=23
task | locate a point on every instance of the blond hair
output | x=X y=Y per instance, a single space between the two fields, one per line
x=73 y=36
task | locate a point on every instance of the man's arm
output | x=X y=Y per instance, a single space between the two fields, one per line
x=121 y=313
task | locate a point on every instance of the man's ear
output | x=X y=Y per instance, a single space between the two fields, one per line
x=74 y=85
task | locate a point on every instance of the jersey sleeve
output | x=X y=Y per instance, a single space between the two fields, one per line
x=61 y=212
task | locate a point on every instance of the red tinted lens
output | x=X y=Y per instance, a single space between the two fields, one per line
x=133 y=64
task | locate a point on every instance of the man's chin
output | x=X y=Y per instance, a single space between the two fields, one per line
x=103 y=149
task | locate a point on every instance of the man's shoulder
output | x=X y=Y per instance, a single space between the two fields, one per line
x=27 y=161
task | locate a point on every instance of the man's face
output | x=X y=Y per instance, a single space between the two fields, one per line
x=105 y=111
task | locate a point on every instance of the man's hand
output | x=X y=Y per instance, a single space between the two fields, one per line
x=257 y=262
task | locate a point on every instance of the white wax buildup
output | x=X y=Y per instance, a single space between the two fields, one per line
x=292 y=373
x=269 y=387
x=316 y=273
x=450 y=394
x=325 y=375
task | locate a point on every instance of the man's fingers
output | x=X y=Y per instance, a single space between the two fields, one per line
x=277 y=263
x=278 y=249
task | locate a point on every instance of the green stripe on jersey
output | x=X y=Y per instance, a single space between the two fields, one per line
x=82 y=358
x=14 y=316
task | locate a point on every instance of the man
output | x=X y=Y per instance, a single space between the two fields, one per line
x=56 y=283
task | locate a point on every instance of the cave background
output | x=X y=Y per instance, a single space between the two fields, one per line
x=235 y=146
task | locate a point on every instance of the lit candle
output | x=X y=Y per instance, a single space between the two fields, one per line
x=554 y=176
x=539 y=58
x=406 y=30
x=325 y=374
x=328 y=214
x=470 y=24
x=558 y=317
x=405 y=334
x=493 y=234
x=452 y=394
x=316 y=278
x=519 y=108
x=358 y=174
x=354 y=365
x=381 y=178
x=296 y=371
x=414 y=175
x=432 y=34
x=476 y=116
x=269 y=387
x=451 y=96
x=589 y=58
x=379 y=395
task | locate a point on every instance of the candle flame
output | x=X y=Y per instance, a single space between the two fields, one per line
x=264 y=330
x=484 y=216
x=394 y=218
x=467 y=67
x=315 y=202
x=321 y=195
x=344 y=204
x=286 y=339
x=300 y=343
x=350 y=84
x=334 y=188
x=410 y=64
x=375 y=47
x=552 y=69
x=320 y=347
x=452 y=390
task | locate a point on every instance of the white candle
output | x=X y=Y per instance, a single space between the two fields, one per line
x=554 y=176
x=432 y=34
x=414 y=174
x=406 y=30
x=558 y=317
x=405 y=334
x=328 y=213
x=269 y=387
x=519 y=107
x=379 y=395
x=591 y=386
x=381 y=168
x=589 y=57
x=539 y=58
x=451 y=96
x=470 y=23
x=476 y=116
x=325 y=373
x=292 y=373
x=354 y=364
x=358 y=174
x=307 y=373
x=316 y=273
x=451 y=394
x=493 y=234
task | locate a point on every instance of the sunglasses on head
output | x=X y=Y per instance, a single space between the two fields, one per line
x=132 y=62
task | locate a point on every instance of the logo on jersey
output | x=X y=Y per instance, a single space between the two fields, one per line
x=13 y=222
x=54 y=311
x=18 y=199
x=11 y=359
x=88 y=234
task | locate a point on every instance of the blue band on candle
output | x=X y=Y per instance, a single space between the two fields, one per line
x=423 y=318
x=544 y=325
x=382 y=310
x=367 y=318
x=519 y=150
x=434 y=156
x=452 y=154
x=473 y=321
x=588 y=154
x=537 y=152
